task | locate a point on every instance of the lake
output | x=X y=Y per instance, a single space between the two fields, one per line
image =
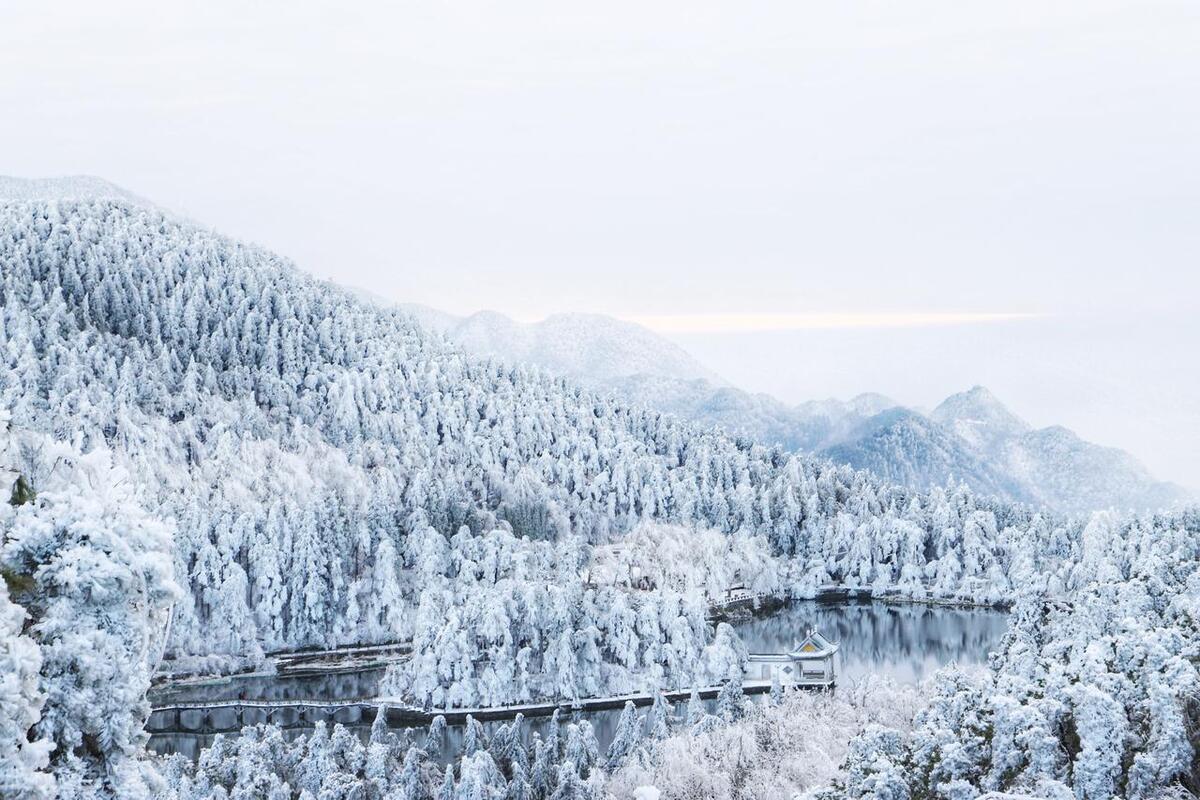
x=905 y=642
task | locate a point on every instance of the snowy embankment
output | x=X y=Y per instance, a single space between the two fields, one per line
x=775 y=752
x=732 y=748
x=333 y=475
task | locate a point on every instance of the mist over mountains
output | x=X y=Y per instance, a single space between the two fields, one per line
x=334 y=473
x=587 y=347
x=193 y=430
x=970 y=438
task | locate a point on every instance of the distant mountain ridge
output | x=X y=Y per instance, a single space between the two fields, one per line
x=330 y=472
x=971 y=437
x=1052 y=462
x=591 y=348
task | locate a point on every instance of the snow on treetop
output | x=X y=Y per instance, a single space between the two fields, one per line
x=72 y=187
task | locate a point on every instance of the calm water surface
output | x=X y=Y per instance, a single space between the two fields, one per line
x=907 y=643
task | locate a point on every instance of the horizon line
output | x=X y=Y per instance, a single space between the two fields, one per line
x=750 y=323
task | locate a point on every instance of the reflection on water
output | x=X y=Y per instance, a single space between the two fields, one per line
x=904 y=642
x=348 y=686
x=604 y=724
x=907 y=643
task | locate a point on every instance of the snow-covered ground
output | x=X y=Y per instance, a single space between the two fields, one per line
x=201 y=428
x=969 y=438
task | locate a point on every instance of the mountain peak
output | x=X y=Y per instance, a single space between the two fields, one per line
x=979 y=417
x=583 y=346
x=979 y=394
x=871 y=403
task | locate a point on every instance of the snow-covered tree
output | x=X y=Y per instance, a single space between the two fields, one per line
x=659 y=718
x=626 y=738
x=447 y=790
x=776 y=690
x=435 y=738
x=730 y=700
x=93 y=571
x=582 y=750
x=695 y=707
x=23 y=761
x=473 y=736
x=409 y=786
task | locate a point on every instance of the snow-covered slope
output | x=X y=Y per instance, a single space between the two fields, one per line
x=640 y=367
x=1055 y=463
x=430 y=318
x=903 y=446
x=973 y=438
x=970 y=438
x=72 y=187
x=334 y=473
x=978 y=418
x=590 y=348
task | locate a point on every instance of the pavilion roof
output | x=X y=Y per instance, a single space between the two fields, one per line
x=813 y=645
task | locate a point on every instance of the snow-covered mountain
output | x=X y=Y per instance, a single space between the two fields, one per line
x=1053 y=463
x=334 y=473
x=901 y=445
x=970 y=438
x=315 y=470
x=71 y=187
x=979 y=419
x=590 y=348
x=973 y=438
x=641 y=367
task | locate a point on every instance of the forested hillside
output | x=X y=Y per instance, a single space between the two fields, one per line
x=306 y=443
x=314 y=470
x=1091 y=695
x=86 y=587
x=970 y=438
x=590 y=349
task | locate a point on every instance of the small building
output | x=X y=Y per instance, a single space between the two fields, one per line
x=809 y=663
x=736 y=593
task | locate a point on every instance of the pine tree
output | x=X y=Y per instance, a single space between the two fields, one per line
x=626 y=738
x=347 y=750
x=731 y=700
x=473 y=738
x=317 y=762
x=435 y=739
x=481 y=779
x=379 y=726
x=446 y=791
x=554 y=737
x=695 y=707
x=570 y=785
x=518 y=784
x=541 y=774
x=583 y=751
x=408 y=786
x=776 y=690
x=660 y=718
x=500 y=745
x=22 y=762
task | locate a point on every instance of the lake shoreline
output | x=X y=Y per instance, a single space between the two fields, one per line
x=348 y=658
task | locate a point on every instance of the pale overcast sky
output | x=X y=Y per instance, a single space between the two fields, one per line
x=713 y=168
